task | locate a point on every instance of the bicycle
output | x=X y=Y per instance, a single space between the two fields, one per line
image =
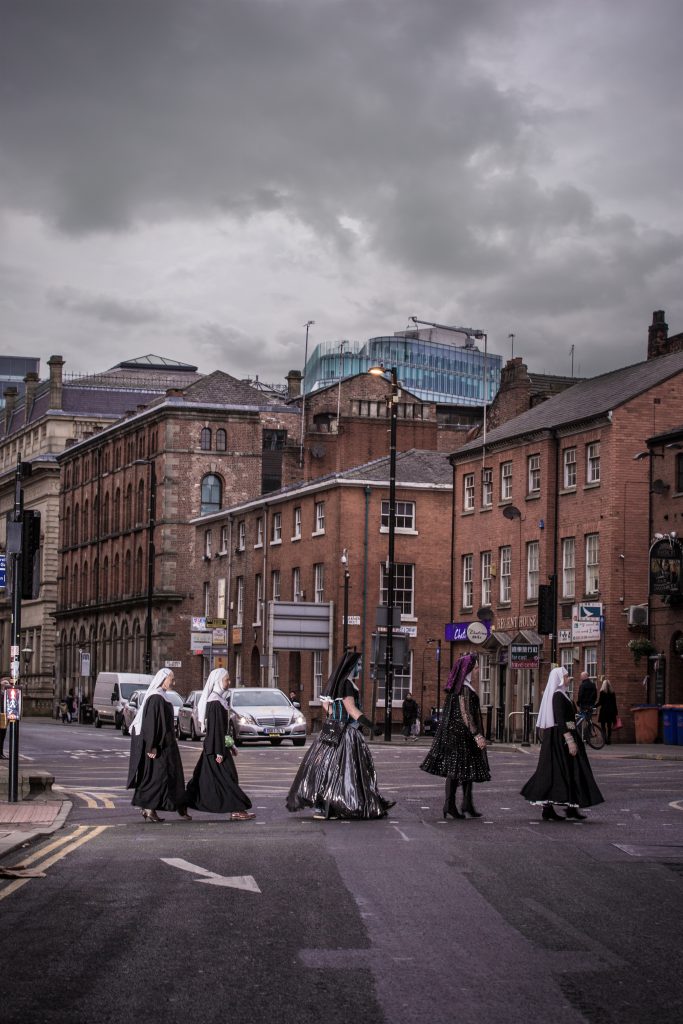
x=589 y=731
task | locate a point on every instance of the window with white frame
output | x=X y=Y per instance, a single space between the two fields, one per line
x=317 y=674
x=485 y=679
x=567 y=662
x=207 y=598
x=467 y=580
x=275 y=584
x=239 y=603
x=297 y=523
x=486 y=578
x=276 y=667
x=486 y=488
x=532 y=570
x=569 y=468
x=241 y=535
x=592 y=563
x=593 y=463
x=404 y=584
x=590 y=661
x=319 y=582
x=534 y=464
x=568 y=566
x=505 y=481
x=468 y=492
x=238 y=668
x=402 y=683
x=220 y=598
x=506 y=574
x=319 y=517
x=296 y=584
x=404 y=518
x=259 y=532
x=224 y=539
x=277 y=528
x=207 y=543
x=258 y=598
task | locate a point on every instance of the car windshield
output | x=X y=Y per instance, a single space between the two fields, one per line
x=128 y=689
x=259 y=698
x=174 y=698
x=193 y=698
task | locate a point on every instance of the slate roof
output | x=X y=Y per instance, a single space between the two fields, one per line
x=222 y=389
x=586 y=400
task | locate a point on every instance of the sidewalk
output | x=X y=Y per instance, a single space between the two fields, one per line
x=637 y=751
x=28 y=819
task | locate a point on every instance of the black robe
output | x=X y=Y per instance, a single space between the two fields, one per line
x=158 y=782
x=215 y=787
x=560 y=778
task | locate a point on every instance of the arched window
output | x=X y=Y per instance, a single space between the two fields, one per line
x=128 y=508
x=124 y=647
x=84 y=583
x=84 y=523
x=205 y=440
x=114 y=647
x=105 y=515
x=74 y=525
x=126 y=573
x=67 y=528
x=95 y=516
x=104 y=653
x=116 y=578
x=74 y=585
x=105 y=579
x=138 y=572
x=221 y=440
x=140 y=506
x=211 y=494
x=116 y=525
x=93 y=580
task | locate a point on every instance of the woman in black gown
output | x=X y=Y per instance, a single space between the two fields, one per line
x=459 y=748
x=214 y=786
x=563 y=776
x=155 y=769
x=338 y=779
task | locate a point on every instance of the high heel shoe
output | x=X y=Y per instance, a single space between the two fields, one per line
x=574 y=814
x=550 y=814
x=467 y=805
x=152 y=817
x=450 y=806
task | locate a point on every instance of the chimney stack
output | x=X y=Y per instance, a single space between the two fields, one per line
x=10 y=395
x=55 y=363
x=294 y=378
x=31 y=381
x=658 y=335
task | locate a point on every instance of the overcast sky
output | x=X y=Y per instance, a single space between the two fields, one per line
x=198 y=178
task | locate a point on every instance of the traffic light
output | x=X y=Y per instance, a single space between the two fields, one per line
x=30 y=547
x=546 y=608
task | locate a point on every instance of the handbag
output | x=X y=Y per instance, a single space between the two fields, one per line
x=618 y=724
x=332 y=732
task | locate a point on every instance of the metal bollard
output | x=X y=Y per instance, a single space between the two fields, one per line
x=488 y=709
x=527 y=726
x=500 y=723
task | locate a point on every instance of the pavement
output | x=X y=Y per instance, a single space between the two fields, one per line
x=33 y=818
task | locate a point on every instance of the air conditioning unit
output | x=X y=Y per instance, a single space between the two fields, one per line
x=637 y=615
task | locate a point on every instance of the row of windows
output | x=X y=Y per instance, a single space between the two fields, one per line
x=139 y=447
x=206 y=440
x=533 y=477
x=79 y=528
x=489 y=571
x=86 y=583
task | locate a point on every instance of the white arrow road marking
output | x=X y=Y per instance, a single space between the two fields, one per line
x=246 y=882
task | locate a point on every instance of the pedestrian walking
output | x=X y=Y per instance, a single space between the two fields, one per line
x=70 y=702
x=458 y=750
x=155 y=769
x=608 y=713
x=214 y=785
x=587 y=696
x=563 y=776
x=411 y=713
x=337 y=775
x=4 y=685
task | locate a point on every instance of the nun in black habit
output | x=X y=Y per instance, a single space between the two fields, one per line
x=155 y=769
x=214 y=786
x=337 y=775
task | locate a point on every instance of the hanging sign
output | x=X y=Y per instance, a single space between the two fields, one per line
x=13 y=703
x=474 y=632
x=524 y=655
x=665 y=567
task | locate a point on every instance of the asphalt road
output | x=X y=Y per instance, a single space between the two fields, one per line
x=289 y=919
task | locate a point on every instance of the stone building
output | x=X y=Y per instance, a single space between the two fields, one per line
x=555 y=495
x=266 y=557
x=51 y=415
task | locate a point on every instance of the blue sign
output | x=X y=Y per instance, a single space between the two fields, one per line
x=468 y=632
x=3 y=571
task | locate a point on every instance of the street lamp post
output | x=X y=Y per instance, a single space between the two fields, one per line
x=428 y=644
x=151 y=554
x=379 y=371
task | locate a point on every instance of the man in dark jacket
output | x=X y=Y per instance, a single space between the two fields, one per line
x=587 y=696
x=410 y=715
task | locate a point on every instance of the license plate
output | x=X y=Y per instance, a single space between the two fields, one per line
x=275 y=732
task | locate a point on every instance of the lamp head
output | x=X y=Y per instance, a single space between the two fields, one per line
x=377 y=371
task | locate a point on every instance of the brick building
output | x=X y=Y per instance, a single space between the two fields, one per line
x=285 y=549
x=556 y=493
x=194 y=450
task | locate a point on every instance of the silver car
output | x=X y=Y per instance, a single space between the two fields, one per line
x=187 y=723
x=131 y=706
x=258 y=713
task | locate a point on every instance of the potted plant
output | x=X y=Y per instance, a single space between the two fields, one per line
x=641 y=647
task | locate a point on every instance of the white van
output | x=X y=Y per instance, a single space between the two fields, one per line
x=111 y=689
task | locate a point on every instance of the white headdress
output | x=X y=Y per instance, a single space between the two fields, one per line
x=212 y=691
x=154 y=687
x=557 y=682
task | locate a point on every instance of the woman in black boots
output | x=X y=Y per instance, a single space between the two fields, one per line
x=459 y=748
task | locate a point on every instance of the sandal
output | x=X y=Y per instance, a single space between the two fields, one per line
x=242 y=816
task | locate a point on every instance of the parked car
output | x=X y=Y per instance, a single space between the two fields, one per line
x=431 y=722
x=187 y=722
x=260 y=713
x=131 y=706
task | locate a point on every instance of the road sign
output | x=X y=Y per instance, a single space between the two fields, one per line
x=3 y=571
x=85 y=663
x=173 y=664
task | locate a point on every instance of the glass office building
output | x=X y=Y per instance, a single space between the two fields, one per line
x=434 y=364
x=13 y=369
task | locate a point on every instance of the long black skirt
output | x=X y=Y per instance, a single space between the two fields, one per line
x=560 y=778
x=455 y=753
x=215 y=787
x=341 y=779
x=160 y=784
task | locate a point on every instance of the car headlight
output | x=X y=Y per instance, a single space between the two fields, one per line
x=246 y=720
x=298 y=718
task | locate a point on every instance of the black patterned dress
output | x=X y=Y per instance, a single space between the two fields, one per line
x=454 y=752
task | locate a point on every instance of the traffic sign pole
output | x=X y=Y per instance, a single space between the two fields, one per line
x=15 y=666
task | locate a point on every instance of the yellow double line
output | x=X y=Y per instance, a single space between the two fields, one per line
x=64 y=846
x=90 y=797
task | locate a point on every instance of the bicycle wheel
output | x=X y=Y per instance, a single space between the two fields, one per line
x=596 y=739
x=582 y=727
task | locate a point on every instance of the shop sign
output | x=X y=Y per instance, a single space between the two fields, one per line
x=215 y=624
x=473 y=632
x=665 y=567
x=586 y=622
x=219 y=636
x=198 y=622
x=524 y=655
x=198 y=641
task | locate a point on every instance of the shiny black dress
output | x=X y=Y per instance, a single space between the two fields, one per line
x=339 y=781
x=560 y=778
x=215 y=787
x=158 y=782
x=454 y=752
